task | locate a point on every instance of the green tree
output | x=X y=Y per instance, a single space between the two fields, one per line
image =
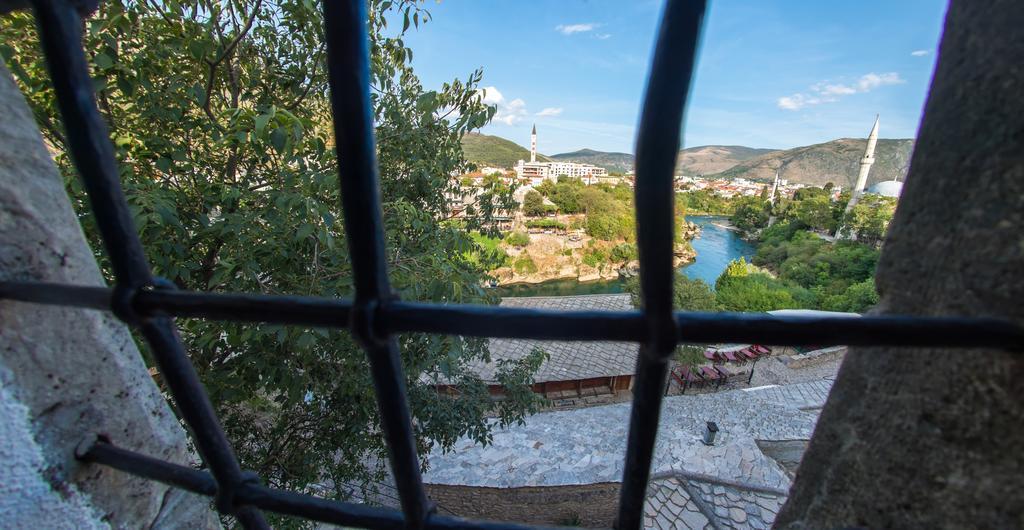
x=750 y=214
x=687 y=294
x=533 y=204
x=220 y=116
x=706 y=202
x=755 y=292
x=870 y=218
x=815 y=212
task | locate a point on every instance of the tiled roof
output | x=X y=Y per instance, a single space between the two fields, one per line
x=569 y=361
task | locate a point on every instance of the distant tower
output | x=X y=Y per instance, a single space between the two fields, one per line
x=865 y=167
x=533 y=143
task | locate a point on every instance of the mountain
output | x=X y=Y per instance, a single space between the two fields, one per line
x=486 y=150
x=707 y=159
x=836 y=161
x=618 y=162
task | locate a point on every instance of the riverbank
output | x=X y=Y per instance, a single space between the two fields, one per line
x=572 y=256
x=714 y=247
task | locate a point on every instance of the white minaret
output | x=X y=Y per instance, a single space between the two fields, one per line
x=865 y=167
x=775 y=189
x=533 y=144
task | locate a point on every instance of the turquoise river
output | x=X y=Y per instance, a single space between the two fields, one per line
x=716 y=247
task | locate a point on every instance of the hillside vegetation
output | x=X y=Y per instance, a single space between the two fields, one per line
x=487 y=150
x=836 y=161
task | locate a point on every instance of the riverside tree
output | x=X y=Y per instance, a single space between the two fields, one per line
x=220 y=116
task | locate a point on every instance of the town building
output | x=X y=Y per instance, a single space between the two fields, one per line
x=537 y=172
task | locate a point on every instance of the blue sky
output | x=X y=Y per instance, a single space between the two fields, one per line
x=773 y=74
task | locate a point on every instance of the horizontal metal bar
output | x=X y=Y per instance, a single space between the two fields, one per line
x=879 y=330
x=272 y=499
x=514 y=322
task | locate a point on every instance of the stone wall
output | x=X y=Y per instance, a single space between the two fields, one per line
x=932 y=438
x=594 y=504
x=66 y=374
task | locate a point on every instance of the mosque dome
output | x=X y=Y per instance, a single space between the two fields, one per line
x=888 y=188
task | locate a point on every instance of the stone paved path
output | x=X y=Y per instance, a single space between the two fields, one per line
x=801 y=395
x=587 y=446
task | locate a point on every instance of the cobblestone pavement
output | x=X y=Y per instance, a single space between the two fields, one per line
x=688 y=503
x=772 y=371
x=587 y=446
x=807 y=395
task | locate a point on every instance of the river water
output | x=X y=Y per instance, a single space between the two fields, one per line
x=716 y=247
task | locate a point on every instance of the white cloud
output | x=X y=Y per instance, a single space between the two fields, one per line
x=509 y=112
x=569 y=29
x=604 y=36
x=919 y=53
x=512 y=113
x=868 y=82
x=550 y=111
x=837 y=90
x=825 y=92
x=492 y=96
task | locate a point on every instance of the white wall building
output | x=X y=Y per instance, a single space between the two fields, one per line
x=538 y=172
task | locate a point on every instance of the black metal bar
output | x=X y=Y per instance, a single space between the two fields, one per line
x=93 y=156
x=515 y=322
x=179 y=476
x=348 y=66
x=657 y=148
x=275 y=500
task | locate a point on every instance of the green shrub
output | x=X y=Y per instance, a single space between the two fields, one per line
x=488 y=253
x=524 y=265
x=624 y=252
x=518 y=239
x=545 y=223
x=595 y=257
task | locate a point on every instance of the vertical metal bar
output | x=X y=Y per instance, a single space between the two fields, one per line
x=657 y=147
x=348 y=65
x=93 y=156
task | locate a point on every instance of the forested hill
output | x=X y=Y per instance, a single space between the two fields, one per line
x=836 y=161
x=486 y=150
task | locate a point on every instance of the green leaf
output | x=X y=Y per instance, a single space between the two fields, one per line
x=196 y=49
x=261 y=122
x=278 y=138
x=103 y=61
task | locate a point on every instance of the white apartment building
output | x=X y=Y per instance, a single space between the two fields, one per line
x=537 y=172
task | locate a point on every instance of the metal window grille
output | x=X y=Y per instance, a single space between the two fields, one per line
x=375 y=315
